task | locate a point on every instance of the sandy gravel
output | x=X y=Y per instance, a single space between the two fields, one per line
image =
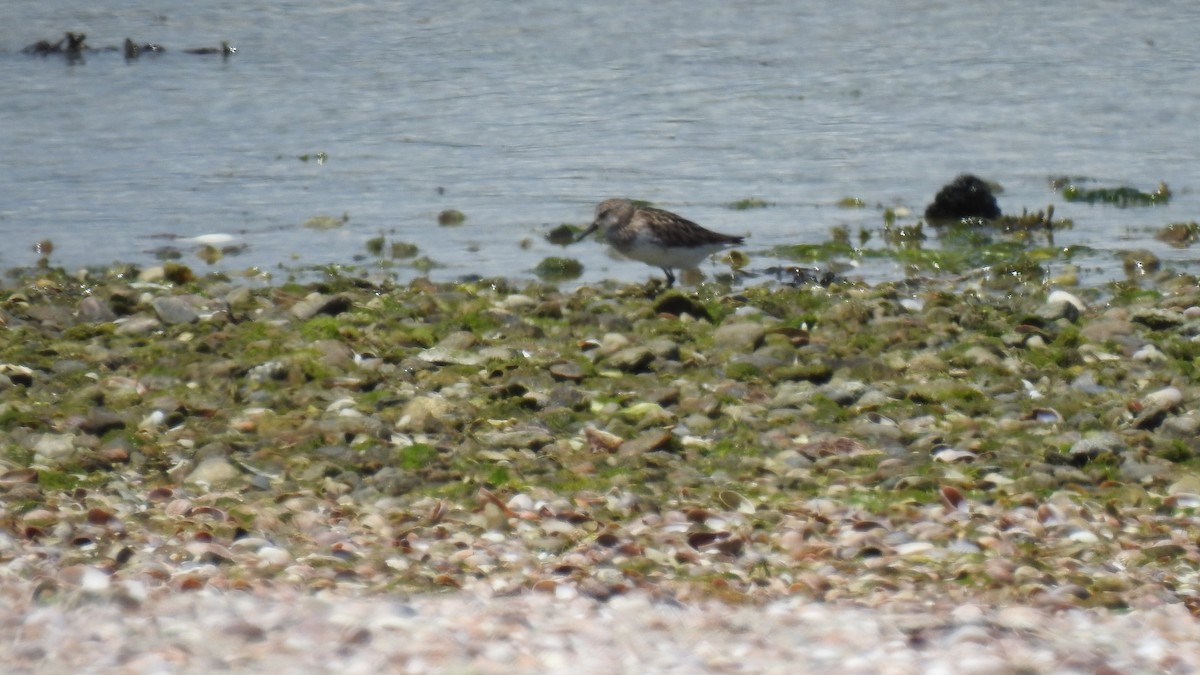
x=111 y=632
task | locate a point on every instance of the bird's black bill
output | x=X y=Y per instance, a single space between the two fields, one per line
x=591 y=228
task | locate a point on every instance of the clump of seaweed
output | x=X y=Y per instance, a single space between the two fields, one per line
x=1028 y=224
x=380 y=247
x=1038 y=220
x=1121 y=197
x=451 y=217
x=558 y=269
x=326 y=222
x=564 y=234
x=908 y=236
x=749 y=203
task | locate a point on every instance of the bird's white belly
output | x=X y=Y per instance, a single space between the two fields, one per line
x=669 y=257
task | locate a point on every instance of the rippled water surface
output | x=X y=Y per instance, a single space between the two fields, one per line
x=524 y=115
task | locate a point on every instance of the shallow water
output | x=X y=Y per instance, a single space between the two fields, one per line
x=523 y=116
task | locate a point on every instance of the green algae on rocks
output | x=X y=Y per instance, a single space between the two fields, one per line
x=933 y=439
x=558 y=269
x=450 y=217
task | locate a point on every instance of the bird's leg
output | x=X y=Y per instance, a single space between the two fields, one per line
x=670 y=277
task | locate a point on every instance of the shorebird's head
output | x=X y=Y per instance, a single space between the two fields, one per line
x=609 y=213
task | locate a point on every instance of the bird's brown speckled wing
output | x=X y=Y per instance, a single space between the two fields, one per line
x=676 y=231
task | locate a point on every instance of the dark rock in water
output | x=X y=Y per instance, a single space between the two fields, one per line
x=224 y=50
x=134 y=50
x=71 y=44
x=75 y=43
x=966 y=197
x=43 y=47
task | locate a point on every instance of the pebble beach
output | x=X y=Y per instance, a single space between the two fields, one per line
x=945 y=474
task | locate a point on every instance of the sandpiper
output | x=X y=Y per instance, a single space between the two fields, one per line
x=656 y=237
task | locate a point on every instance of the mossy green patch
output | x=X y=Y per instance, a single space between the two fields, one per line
x=321 y=328
x=417 y=456
x=86 y=331
x=477 y=322
x=743 y=371
x=558 y=269
x=1177 y=451
x=54 y=480
x=498 y=476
